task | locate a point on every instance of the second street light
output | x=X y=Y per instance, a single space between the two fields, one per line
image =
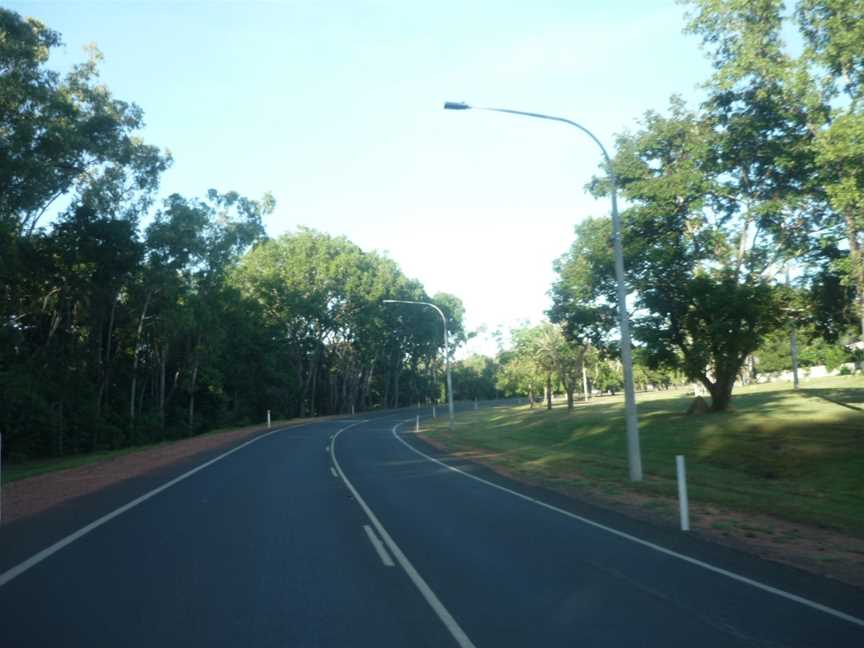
x=634 y=456
x=446 y=349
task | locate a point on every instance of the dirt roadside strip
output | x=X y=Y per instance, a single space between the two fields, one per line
x=821 y=551
x=31 y=495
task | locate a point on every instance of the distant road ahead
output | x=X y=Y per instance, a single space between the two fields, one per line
x=270 y=546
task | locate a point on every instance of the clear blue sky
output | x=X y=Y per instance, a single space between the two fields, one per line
x=335 y=107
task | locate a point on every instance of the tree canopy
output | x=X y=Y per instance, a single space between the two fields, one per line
x=127 y=319
x=723 y=196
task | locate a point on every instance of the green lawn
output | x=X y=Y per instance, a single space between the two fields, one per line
x=790 y=454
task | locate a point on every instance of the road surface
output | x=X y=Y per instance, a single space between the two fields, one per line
x=354 y=533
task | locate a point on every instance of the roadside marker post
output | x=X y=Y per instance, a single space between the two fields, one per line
x=417 y=425
x=682 y=493
x=434 y=415
x=268 y=418
x=352 y=409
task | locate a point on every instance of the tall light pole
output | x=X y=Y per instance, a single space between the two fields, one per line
x=446 y=349
x=634 y=456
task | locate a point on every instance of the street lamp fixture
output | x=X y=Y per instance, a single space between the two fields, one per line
x=634 y=456
x=446 y=349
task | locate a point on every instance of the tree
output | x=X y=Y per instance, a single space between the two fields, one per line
x=475 y=378
x=570 y=366
x=65 y=293
x=519 y=375
x=112 y=334
x=324 y=296
x=542 y=356
x=702 y=283
x=536 y=348
x=60 y=135
x=840 y=154
x=608 y=376
x=819 y=92
x=722 y=197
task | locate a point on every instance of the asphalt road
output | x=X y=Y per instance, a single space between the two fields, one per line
x=348 y=533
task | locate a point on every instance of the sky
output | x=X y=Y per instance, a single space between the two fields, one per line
x=336 y=109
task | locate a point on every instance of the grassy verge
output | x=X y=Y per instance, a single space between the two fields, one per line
x=790 y=454
x=15 y=471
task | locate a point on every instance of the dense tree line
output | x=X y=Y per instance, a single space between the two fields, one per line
x=768 y=171
x=126 y=319
x=542 y=361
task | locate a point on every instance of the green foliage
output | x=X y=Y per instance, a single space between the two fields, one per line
x=774 y=354
x=63 y=136
x=702 y=302
x=834 y=33
x=322 y=297
x=766 y=170
x=475 y=378
x=541 y=359
x=110 y=335
x=608 y=377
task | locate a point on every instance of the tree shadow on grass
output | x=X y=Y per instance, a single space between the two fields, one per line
x=849 y=398
x=785 y=449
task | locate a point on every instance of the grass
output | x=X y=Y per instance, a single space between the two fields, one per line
x=791 y=454
x=22 y=470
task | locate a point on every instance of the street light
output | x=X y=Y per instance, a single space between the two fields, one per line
x=446 y=349
x=634 y=457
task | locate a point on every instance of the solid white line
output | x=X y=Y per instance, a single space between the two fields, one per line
x=35 y=559
x=433 y=601
x=333 y=472
x=382 y=552
x=644 y=543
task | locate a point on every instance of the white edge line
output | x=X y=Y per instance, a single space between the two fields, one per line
x=382 y=552
x=333 y=472
x=35 y=559
x=427 y=593
x=621 y=534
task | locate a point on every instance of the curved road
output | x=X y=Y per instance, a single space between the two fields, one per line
x=354 y=533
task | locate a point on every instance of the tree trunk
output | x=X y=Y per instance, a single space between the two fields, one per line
x=793 y=347
x=313 y=396
x=163 y=361
x=721 y=392
x=301 y=382
x=105 y=363
x=570 y=397
x=366 y=386
x=585 y=391
x=432 y=382
x=348 y=381
x=415 y=391
x=136 y=353
x=396 y=387
x=369 y=378
x=192 y=394
x=309 y=385
x=548 y=390
x=855 y=256
x=143 y=391
x=57 y=425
